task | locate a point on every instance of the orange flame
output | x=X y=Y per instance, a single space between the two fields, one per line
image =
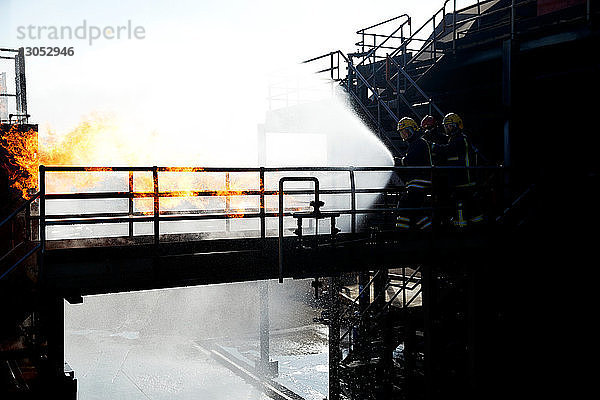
x=22 y=158
x=97 y=141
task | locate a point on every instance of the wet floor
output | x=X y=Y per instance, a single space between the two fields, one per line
x=143 y=345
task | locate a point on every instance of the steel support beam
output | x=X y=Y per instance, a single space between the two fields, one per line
x=265 y=367
x=334 y=339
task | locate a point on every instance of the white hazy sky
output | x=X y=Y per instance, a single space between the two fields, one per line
x=201 y=71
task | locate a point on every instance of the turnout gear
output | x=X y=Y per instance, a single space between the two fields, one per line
x=452 y=123
x=453 y=119
x=461 y=186
x=428 y=122
x=407 y=122
x=418 y=184
x=432 y=132
x=407 y=128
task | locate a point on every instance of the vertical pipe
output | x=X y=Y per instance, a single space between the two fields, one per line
x=434 y=41
x=227 y=202
x=263 y=223
x=280 y=212
x=130 y=203
x=454 y=27
x=512 y=20
x=374 y=57
x=156 y=205
x=362 y=42
x=280 y=217
x=331 y=64
x=264 y=327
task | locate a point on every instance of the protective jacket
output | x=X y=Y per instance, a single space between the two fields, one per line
x=457 y=152
x=417 y=184
x=418 y=153
x=435 y=135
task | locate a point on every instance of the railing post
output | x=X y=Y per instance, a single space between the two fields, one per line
x=434 y=41
x=362 y=49
x=156 y=205
x=227 y=202
x=263 y=222
x=331 y=64
x=512 y=20
x=454 y=28
x=374 y=56
x=130 y=211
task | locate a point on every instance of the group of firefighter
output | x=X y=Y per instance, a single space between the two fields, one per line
x=430 y=145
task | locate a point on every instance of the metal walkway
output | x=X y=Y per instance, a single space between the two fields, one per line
x=332 y=221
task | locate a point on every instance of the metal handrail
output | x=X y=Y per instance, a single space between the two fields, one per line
x=382 y=23
x=368 y=85
x=375 y=48
x=414 y=84
x=156 y=215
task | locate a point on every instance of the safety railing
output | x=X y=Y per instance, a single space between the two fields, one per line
x=373 y=51
x=154 y=214
x=408 y=61
x=348 y=192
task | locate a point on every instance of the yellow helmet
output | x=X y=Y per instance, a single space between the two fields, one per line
x=407 y=122
x=453 y=119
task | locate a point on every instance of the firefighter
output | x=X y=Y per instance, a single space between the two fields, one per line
x=457 y=152
x=432 y=131
x=418 y=183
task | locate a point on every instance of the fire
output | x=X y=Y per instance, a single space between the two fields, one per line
x=99 y=141
x=22 y=158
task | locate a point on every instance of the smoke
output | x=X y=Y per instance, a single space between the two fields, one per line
x=196 y=127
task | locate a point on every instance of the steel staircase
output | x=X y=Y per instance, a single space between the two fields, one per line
x=387 y=78
x=369 y=334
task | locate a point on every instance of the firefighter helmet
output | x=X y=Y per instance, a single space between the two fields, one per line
x=427 y=122
x=407 y=122
x=453 y=120
x=407 y=127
